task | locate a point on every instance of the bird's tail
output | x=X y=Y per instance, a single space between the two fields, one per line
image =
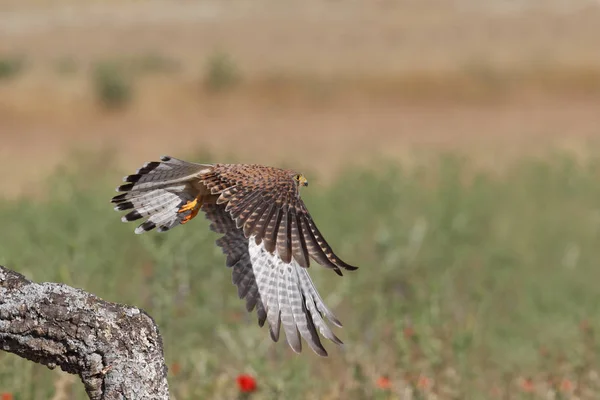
x=158 y=191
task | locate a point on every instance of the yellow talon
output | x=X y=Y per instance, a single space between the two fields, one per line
x=187 y=218
x=194 y=206
x=188 y=206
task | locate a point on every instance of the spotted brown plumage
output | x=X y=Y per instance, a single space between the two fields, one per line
x=269 y=237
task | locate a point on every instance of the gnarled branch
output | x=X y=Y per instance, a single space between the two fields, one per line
x=115 y=349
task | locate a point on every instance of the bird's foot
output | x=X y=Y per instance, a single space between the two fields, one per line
x=193 y=206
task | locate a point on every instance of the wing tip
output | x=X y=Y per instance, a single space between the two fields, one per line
x=332 y=318
x=316 y=346
x=320 y=351
x=349 y=267
x=274 y=334
x=340 y=264
x=296 y=347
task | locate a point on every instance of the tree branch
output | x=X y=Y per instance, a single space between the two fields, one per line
x=115 y=349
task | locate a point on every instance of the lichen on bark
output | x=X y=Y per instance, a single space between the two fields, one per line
x=115 y=349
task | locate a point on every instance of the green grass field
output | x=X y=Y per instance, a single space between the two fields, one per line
x=471 y=286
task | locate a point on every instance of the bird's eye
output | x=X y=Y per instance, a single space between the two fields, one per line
x=297 y=177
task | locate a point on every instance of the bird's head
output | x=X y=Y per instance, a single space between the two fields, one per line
x=301 y=179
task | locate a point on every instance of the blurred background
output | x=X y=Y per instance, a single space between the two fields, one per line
x=452 y=150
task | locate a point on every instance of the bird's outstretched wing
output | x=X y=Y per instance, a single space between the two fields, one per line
x=282 y=293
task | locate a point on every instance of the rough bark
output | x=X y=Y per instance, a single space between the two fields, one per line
x=115 y=349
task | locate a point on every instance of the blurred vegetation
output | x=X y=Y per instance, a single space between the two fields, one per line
x=113 y=85
x=471 y=285
x=221 y=72
x=11 y=66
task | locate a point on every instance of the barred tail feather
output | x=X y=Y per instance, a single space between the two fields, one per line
x=157 y=191
x=159 y=174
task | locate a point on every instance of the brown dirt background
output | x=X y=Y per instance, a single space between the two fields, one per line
x=324 y=83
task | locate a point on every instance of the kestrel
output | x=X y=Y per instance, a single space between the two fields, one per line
x=268 y=237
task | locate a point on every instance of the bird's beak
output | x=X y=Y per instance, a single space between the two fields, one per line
x=303 y=181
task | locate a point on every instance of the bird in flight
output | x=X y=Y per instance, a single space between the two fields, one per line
x=268 y=237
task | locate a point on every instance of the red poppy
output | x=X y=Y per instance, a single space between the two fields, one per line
x=383 y=382
x=423 y=382
x=6 y=396
x=246 y=383
x=527 y=385
x=585 y=326
x=566 y=386
x=175 y=368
